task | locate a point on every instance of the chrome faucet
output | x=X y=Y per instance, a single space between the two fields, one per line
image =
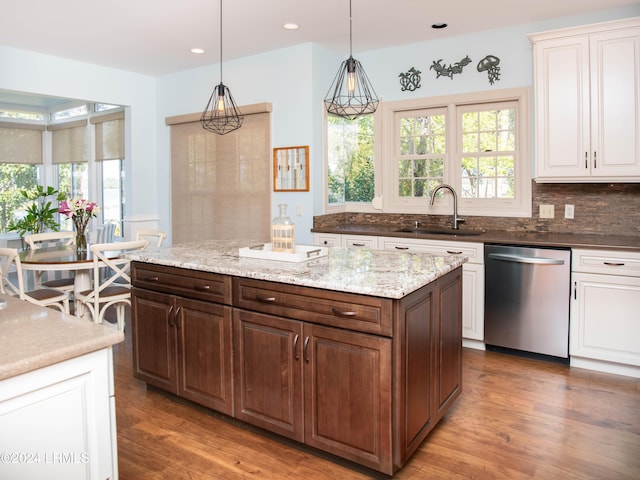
x=456 y=219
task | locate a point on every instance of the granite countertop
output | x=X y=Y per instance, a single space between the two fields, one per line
x=545 y=239
x=32 y=337
x=379 y=273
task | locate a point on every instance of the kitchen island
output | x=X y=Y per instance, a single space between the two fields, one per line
x=356 y=353
x=57 y=407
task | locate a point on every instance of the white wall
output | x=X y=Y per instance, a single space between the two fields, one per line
x=295 y=80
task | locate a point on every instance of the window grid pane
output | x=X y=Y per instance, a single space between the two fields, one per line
x=423 y=138
x=488 y=144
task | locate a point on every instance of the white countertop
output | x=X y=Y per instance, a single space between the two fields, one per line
x=33 y=337
x=379 y=273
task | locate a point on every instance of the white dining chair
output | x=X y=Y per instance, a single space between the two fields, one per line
x=114 y=289
x=52 y=239
x=154 y=236
x=45 y=297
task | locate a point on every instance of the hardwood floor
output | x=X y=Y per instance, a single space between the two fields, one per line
x=516 y=419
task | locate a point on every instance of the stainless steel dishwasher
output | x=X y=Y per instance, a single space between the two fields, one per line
x=527 y=295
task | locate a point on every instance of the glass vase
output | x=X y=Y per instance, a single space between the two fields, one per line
x=81 y=242
x=282 y=230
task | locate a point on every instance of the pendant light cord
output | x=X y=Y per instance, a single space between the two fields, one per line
x=220 y=41
x=350 y=32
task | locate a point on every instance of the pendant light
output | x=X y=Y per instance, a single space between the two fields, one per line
x=351 y=94
x=221 y=115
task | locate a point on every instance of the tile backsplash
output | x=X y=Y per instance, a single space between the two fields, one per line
x=604 y=209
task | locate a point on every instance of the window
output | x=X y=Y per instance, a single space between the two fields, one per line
x=20 y=167
x=488 y=151
x=421 y=153
x=477 y=143
x=71 y=162
x=350 y=165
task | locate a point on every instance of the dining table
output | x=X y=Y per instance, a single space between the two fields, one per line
x=62 y=258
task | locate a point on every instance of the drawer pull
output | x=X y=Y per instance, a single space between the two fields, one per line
x=451 y=252
x=358 y=245
x=295 y=346
x=313 y=253
x=401 y=248
x=614 y=264
x=151 y=279
x=305 y=350
x=201 y=288
x=263 y=299
x=343 y=313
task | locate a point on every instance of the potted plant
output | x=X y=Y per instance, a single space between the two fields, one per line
x=40 y=215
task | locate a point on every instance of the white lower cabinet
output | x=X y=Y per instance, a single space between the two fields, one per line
x=61 y=420
x=605 y=311
x=472 y=272
x=472 y=279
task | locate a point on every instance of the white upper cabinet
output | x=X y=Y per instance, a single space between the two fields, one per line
x=587 y=103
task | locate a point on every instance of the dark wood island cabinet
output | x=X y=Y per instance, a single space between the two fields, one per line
x=359 y=376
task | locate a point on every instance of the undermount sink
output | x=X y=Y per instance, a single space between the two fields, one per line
x=430 y=231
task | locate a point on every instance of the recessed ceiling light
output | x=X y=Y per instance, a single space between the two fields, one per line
x=197 y=50
x=438 y=26
x=290 y=26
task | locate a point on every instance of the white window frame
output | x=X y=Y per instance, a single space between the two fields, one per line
x=356 y=207
x=392 y=203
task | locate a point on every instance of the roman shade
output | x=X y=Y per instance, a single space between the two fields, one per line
x=109 y=136
x=69 y=142
x=221 y=185
x=21 y=143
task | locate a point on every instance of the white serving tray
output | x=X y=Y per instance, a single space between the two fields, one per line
x=302 y=253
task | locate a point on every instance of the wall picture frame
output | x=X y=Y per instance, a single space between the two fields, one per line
x=291 y=169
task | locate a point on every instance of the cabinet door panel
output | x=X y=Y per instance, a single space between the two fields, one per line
x=615 y=104
x=348 y=395
x=562 y=110
x=268 y=373
x=604 y=319
x=154 y=352
x=204 y=332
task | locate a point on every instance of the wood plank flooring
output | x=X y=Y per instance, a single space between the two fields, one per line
x=516 y=419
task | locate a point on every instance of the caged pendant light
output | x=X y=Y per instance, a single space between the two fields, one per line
x=351 y=94
x=221 y=115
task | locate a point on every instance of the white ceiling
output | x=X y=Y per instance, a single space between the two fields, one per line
x=154 y=36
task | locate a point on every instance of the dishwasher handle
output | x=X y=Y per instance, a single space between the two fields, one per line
x=524 y=259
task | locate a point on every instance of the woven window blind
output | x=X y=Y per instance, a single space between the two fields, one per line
x=69 y=142
x=109 y=136
x=21 y=143
x=221 y=184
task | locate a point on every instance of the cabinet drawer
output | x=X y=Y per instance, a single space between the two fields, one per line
x=343 y=310
x=474 y=251
x=609 y=262
x=181 y=281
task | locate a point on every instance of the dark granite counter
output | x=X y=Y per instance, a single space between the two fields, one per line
x=544 y=239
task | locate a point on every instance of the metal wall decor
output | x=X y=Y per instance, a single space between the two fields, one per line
x=410 y=80
x=444 y=71
x=490 y=64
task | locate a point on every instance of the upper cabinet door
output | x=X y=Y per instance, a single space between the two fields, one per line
x=615 y=103
x=587 y=89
